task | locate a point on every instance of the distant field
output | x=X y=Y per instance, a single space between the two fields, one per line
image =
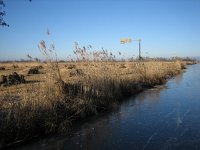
x=72 y=72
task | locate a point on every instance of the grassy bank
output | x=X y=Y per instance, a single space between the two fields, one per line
x=69 y=92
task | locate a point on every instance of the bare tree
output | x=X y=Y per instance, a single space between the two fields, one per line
x=3 y=13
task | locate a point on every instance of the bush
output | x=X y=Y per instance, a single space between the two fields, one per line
x=34 y=71
x=12 y=79
x=2 y=68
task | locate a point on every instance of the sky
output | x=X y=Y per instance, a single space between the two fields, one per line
x=168 y=28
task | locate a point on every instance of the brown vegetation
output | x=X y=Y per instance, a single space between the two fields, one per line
x=69 y=92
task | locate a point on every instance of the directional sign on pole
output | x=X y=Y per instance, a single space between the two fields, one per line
x=129 y=40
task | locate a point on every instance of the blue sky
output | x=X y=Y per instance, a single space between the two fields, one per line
x=167 y=27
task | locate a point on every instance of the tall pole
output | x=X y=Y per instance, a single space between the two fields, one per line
x=139 y=50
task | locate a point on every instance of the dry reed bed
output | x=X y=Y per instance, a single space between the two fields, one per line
x=72 y=92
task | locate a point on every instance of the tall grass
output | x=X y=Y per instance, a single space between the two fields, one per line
x=98 y=83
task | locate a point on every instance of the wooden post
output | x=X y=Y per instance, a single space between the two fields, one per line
x=139 y=50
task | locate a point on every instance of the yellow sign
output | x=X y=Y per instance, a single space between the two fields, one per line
x=125 y=40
